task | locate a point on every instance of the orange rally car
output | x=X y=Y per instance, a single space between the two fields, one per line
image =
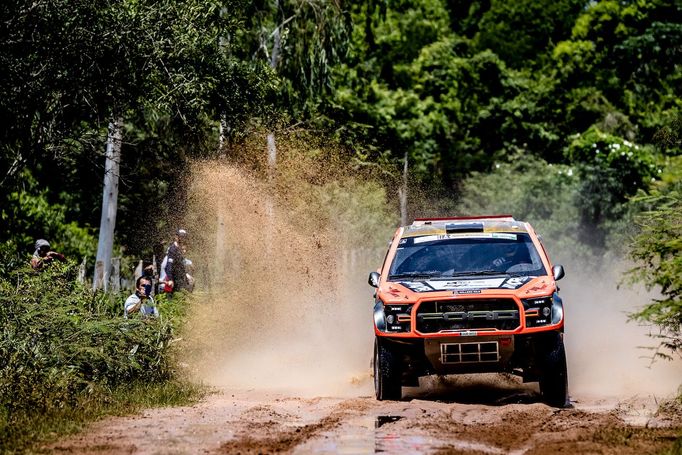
x=468 y=295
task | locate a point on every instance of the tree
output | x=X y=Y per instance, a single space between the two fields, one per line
x=411 y=85
x=658 y=251
x=622 y=60
x=301 y=40
x=523 y=33
x=612 y=170
x=68 y=68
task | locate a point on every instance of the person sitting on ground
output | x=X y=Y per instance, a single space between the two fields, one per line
x=141 y=300
x=44 y=256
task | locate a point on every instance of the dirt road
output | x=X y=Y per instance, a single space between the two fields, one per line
x=283 y=329
x=467 y=415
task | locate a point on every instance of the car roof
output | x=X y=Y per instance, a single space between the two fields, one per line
x=441 y=226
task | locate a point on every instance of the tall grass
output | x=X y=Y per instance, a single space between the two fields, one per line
x=68 y=356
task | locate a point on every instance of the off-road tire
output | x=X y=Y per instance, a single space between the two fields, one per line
x=387 y=372
x=554 y=376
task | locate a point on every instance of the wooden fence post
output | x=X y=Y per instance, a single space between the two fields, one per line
x=139 y=270
x=115 y=284
x=81 y=270
x=98 y=279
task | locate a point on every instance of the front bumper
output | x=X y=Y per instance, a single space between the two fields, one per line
x=468 y=317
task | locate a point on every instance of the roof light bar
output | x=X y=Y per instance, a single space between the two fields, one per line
x=452 y=228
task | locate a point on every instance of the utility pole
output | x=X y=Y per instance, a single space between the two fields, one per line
x=105 y=245
x=271 y=144
x=274 y=60
x=223 y=44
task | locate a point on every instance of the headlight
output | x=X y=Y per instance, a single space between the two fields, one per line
x=538 y=311
x=538 y=302
x=392 y=318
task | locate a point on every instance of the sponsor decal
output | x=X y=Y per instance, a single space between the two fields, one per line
x=417 y=286
x=470 y=235
x=515 y=282
x=468 y=333
x=484 y=283
x=467 y=286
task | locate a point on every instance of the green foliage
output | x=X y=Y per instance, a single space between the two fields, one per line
x=67 y=68
x=61 y=345
x=29 y=215
x=522 y=32
x=530 y=189
x=419 y=79
x=628 y=53
x=435 y=101
x=659 y=251
x=612 y=168
x=312 y=39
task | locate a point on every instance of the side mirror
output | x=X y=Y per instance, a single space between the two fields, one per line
x=558 y=272
x=373 y=279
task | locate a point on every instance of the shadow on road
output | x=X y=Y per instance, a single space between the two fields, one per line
x=487 y=389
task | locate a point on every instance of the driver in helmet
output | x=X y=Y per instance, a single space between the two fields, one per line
x=505 y=256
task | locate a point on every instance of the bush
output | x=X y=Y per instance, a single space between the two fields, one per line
x=27 y=215
x=62 y=345
x=611 y=170
x=658 y=251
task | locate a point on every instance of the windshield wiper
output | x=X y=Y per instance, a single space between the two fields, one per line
x=478 y=273
x=426 y=274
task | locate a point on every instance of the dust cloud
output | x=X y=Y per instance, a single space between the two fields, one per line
x=283 y=304
x=608 y=356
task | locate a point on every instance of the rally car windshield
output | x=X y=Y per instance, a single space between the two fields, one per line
x=455 y=255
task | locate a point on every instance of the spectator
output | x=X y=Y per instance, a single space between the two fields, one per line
x=189 y=268
x=149 y=271
x=141 y=300
x=44 y=256
x=162 y=276
x=175 y=265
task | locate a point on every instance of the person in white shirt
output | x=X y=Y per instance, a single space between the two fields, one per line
x=141 y=300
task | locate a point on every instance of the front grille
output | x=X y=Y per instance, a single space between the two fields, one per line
x=469 y=314
x=469 y=352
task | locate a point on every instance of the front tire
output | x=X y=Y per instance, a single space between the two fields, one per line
x=554 y=377
x=387 y=372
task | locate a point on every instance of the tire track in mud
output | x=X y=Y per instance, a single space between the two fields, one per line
x=539 y=430
x=250 y=422
x=282 y=438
